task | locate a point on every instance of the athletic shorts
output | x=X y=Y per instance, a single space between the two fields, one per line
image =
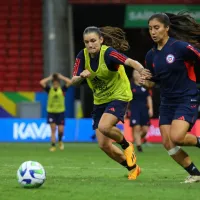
x=116 y=108
x=187 y=111
x=139 y=116
x=57 y=118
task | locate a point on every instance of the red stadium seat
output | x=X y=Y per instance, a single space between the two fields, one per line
x=23 y=88
x=12 y=83
x=36 y=76
x=25 y=75
x=12 y=45
x=13 y=68
x=2 y=52
x=25 y=83
x=14 y=37
x=25 y=60
x=8 y=89
x=2 y=59
x=13 y=52
x=26 y=46
x=25 y=53
x=12 y=60
x=21 y=56
x=11 y=76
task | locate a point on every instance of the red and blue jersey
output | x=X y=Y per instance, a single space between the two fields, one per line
x=173 y=68
x=112 y=59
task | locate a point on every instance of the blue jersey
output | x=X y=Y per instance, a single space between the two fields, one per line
x=112 y=59
x=173 y=68
x=140 y=95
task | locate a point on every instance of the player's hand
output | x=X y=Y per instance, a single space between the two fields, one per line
x=85 y=74
x=50 y=77
x=145 y=73
x=142 y=80
x=150 y=113
x=59 y=75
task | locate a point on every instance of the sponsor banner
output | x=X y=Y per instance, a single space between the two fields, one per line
x=131 y=2
x=138 y=15
x=37 y=130
x=153 y=134
x=76 y=130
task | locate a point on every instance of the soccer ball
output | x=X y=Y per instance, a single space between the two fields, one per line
x=31 y=174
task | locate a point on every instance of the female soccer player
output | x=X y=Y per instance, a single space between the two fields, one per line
x=56 y=106
x=141 y=109
x=102 y=66
x=171 y=62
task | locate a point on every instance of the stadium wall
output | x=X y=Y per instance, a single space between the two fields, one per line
x=9 y=101
x=76 y=130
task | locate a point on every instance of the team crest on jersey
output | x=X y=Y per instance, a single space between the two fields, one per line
x=170 y=58
x=143 y=89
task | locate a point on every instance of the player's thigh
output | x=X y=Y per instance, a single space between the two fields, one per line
x=137 y=129
x=103 y=141
x=165 y=133
x=179 y=129
x=145 y=129
x=53 y=127
x=166 y=114
x=60 y=121
x=114 y=112
x=97 y=113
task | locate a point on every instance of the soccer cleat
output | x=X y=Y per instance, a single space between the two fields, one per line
x=61 y=146
x=52 y=149
x=130 y=155
x=134 y=173
x=192 y=179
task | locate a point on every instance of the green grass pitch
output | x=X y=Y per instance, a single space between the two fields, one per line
x=83 y=172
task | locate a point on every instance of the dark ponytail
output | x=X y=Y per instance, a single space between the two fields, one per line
x=182 y=26
x=113 y=36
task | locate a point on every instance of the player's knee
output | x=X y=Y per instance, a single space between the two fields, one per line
x=104 y=129
x=105 y=147
x=176 y=139
x=166 y=144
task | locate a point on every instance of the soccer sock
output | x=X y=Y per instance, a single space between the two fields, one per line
x=124 y=144
x=192 y=170
x=139 y=148
x=124 y=164
x=60 y=135
x=53 y=144
x=198 y=142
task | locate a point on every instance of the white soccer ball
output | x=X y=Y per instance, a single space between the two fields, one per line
x=31 y=174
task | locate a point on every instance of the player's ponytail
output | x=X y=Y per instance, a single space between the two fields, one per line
x=182 y=26
x=113 y=36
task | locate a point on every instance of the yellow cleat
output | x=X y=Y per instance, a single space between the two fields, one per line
x=130 y=155
x=61 y=146
x=52 y=149
x=134 y=173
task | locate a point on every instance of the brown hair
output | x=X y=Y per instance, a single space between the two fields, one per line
x=113 y=36
x=55 y=78
x=182 y=26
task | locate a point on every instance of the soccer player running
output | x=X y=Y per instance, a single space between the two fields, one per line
x=56 y=106
x=141 y=108
x=171 y=62
x=102 y=66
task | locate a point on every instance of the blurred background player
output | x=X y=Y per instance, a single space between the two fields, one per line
x=56 y=106
x=141 y=108
x=102 y=66
x=171 y=61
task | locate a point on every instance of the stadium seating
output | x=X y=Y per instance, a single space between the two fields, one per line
x=21 y=58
